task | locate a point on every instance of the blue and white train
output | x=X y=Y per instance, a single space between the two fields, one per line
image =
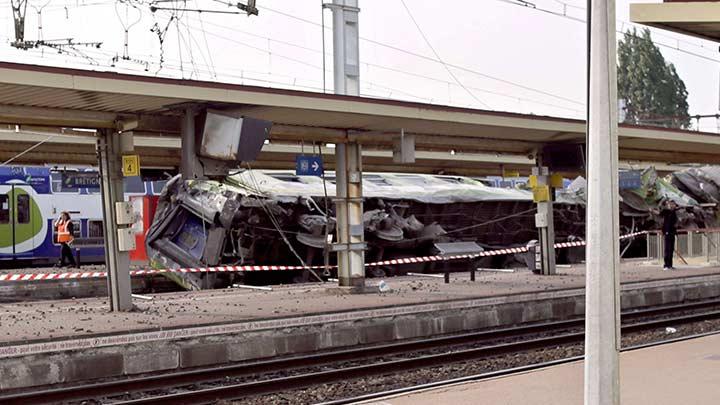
x=31 y=198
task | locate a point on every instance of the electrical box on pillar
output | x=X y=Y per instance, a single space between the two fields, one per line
x=543 y=196
x=227 y=139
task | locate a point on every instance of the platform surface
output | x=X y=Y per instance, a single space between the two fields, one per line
x=32 y=321
x=686 y=372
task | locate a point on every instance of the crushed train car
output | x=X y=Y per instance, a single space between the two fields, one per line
x=277 y=218
x=267 y=218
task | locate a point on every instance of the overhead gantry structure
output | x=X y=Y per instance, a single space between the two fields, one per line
x=146 y=115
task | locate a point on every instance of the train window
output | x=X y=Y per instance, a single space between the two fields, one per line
x=4 y=209
x=134 y=185
x=95 y=228
x=23 y=209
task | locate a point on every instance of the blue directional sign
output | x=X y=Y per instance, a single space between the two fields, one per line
x=308 y=165
x=629 y=179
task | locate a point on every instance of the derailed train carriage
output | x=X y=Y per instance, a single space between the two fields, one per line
x=278 y=218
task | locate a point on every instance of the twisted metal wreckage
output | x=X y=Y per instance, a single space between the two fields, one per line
x=256 y=217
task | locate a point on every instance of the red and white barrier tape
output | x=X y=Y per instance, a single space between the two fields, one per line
x=224 y=269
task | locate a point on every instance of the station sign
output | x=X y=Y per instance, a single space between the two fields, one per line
x=308 y=165
x=629 y=179
x=89 y=180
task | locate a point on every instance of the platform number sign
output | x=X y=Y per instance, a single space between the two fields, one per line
x=130 y=165
x=308 y=165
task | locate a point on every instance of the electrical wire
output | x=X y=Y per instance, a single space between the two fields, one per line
x=399 y=71
x=580 y=20
x=276 y=223
x=492 y=221
x=427 y=42
x=207 y=46
x=7 y=162
x=390 y=90
x=420 y=56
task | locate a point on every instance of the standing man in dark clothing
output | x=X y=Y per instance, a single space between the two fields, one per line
x=669 y=215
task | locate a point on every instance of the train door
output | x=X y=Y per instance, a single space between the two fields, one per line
x=19 y=222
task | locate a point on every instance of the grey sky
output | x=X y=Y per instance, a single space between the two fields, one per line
x=491 y=38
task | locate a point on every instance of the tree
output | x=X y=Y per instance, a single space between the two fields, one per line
x=652 y=91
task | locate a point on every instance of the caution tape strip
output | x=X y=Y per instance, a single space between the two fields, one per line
x=250 y=268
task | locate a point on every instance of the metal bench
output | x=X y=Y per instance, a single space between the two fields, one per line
x=457 y=249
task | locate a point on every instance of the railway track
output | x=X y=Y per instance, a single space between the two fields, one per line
x=494 y=374
x=525 y=339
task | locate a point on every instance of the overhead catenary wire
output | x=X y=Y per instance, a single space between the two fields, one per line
x=450 y=72
x=389 y=90
x=532 y=6
x=7 y=162
x=207 y=46
x=383 y=67
x=428 y=58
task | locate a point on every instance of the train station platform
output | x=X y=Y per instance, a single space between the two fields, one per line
x=190 y=329
x=70 y=283
x=684 y=372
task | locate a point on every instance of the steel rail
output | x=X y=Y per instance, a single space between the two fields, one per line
x=176 y=379
x=234 y=391
x=498 y=373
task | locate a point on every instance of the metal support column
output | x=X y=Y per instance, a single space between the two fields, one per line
x=348 y=160
x=341 y=193
x=349 y=212
x=188 y=161
x=545 y=222
x=117 y=263
x=602 y=299
x=356 y=229
x=346 y=56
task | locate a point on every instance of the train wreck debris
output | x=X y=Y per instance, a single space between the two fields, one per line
x=277 y=218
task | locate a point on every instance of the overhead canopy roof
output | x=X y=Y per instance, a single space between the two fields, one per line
x=150 y=107
x=691 y=17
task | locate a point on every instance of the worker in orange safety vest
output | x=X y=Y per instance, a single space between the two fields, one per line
x=64 y=232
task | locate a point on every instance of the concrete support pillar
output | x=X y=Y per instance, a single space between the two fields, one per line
x=189 y=165
x=349 y=211
x=111 y=146
x=602 y=301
